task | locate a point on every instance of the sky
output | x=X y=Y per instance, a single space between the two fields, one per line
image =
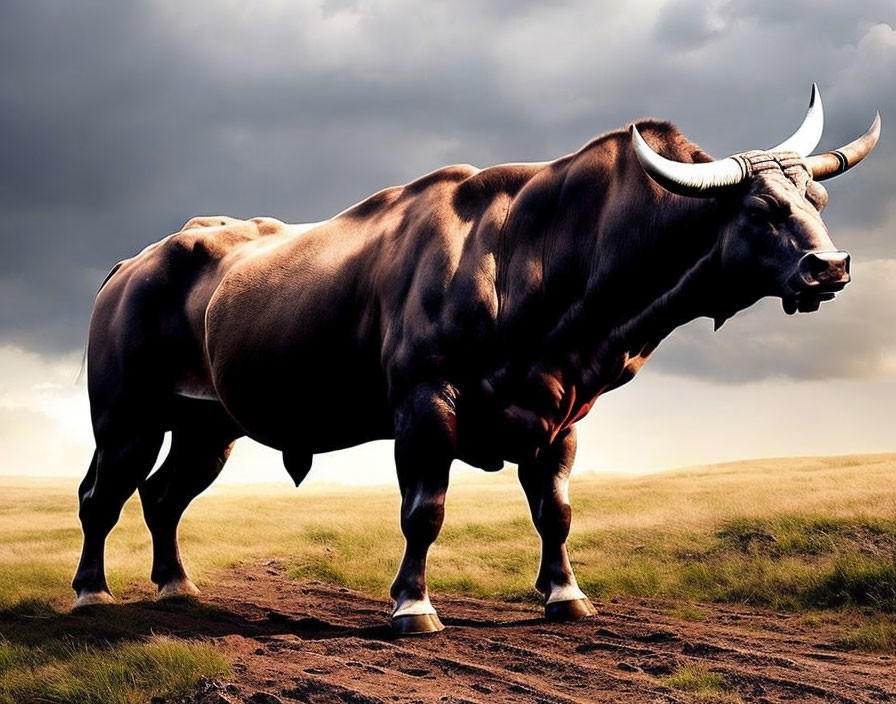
x=120 y=121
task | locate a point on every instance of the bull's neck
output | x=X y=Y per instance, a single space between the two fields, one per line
x=586 y=284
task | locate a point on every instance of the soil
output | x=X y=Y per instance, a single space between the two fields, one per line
x=314 y=643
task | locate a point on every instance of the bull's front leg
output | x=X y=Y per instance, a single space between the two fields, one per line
x=424 y=448
x=545 y=481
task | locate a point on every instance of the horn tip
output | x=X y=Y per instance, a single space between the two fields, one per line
x=815 y=100
x=874 y=131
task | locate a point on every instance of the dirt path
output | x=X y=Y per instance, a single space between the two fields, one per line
x=314 y=643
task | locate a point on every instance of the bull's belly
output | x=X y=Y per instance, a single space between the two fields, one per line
x=317 y=410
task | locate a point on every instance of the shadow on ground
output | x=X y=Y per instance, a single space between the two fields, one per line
x=35 y=623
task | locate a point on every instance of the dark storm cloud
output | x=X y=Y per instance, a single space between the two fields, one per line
x=120 y=121
x=688 y=24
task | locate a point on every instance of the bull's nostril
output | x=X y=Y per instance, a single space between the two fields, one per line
x=824 y=268
x=814 y=266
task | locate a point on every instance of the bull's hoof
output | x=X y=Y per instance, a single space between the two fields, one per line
x=178 y=588
x=93 y=598
x=572 y=610
x=416 y=624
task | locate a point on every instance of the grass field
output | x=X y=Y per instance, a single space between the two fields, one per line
x=814 y=535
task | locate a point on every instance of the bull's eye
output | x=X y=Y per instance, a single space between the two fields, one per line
x=757 y=215
x=762 y=210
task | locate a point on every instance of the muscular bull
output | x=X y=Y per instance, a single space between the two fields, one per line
x=472 y=314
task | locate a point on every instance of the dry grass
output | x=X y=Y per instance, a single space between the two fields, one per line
x=816 y=535
x=806 y=533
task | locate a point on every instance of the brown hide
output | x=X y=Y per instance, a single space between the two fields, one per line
x=522 y=292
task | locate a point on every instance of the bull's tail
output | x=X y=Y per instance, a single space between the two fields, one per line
x=83 y=366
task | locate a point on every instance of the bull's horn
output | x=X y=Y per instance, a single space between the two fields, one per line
x=836 y=162
x=697 y=180
x=806 y=138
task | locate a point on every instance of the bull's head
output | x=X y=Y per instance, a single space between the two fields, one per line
x=773 y=241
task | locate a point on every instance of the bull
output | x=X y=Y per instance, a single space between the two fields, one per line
x=471 y=314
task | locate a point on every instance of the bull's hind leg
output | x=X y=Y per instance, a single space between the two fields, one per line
x=200 y=445
x=424 y=448
x=117 y=468
x=545 y=481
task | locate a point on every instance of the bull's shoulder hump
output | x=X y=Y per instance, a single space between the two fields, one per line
x=382 y=200
x=495 y=181
x=446 y=175
x=662 y=135
x=373 y=204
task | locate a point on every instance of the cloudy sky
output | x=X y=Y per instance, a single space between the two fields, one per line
x=120 y=121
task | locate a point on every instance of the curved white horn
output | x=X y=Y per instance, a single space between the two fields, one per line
x=697 y=180
x=806 y=138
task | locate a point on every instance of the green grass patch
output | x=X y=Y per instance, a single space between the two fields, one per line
x=790 y=561
x=856 y=580
x=126 y=673
x=694 y=678
x=688 y=612
x=702 y=684
x=808 y=535
x=878 y=635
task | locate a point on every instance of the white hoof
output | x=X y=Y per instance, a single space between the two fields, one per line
x=414 y=616
x=565 y=592
x=91 y=598
x=178 y=588
x=413 y=607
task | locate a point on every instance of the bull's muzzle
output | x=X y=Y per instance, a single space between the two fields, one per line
x=818 y=276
